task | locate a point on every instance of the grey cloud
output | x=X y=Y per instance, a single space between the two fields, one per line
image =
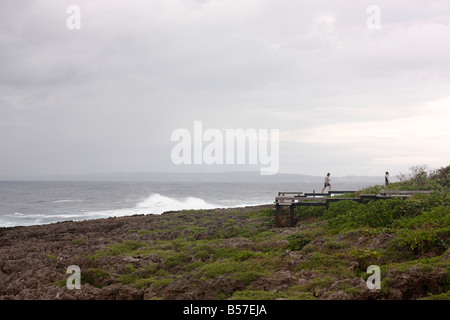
x=108 y=96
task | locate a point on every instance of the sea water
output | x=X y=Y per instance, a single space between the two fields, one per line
x=24 y=203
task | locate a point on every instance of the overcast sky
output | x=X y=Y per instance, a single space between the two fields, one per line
x=347 y=99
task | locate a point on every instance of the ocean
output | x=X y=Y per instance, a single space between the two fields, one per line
x=24 y=203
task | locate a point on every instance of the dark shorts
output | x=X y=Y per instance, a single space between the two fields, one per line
x=326 y=184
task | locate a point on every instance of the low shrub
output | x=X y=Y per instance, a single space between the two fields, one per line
x=347 y=215
x=428 y=232
x=333 y=265
x=221 y=267
x=367 y=257
x=421 y=241
x=297 y=241
x=178 y=259
x=309 y=212
x=247 y=277
x=94 y=277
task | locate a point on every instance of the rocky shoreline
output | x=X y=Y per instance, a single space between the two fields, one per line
x=34 y=258
x=171 y=256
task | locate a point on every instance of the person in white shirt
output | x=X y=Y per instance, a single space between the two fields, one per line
x=327 y=182
x=386 y=178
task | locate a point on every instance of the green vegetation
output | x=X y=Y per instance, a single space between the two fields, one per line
x=79 y=241
x=127 y=247
x=298 y=241
x=327 y=253
x=95 y=277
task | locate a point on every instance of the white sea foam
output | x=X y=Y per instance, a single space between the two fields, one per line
x=154 y=204
x=157 y=203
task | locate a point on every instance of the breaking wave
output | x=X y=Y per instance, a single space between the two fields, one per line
x=154 y=204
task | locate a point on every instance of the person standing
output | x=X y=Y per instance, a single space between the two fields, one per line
x=386 y=179
x=327 y=182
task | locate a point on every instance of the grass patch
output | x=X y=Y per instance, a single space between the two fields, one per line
x=424 y=265
x=332 y=264
x=316 y=284
x=178 y=259
x=95 y=277
x=246 y=266
x=125 y=248
x=442 y=296
x=79 y=241
x=248 y=277
x=222 y=267
x=297 y=241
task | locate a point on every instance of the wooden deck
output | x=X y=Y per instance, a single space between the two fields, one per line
x=297 y=199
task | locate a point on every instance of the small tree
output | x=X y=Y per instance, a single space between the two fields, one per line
x=402 y=177
x=419 y=175
x=441 y=176
x=422 y=177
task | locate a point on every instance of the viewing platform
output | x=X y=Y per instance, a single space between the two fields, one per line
x=296 y=199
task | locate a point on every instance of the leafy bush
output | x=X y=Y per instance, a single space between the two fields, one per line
x=437 y=217
x=347 y=215
x=94 y=277
x=424 y=178
x=129 y=278
x=373 y=189
x=426 y=232
x=366 y=257
x=420 y=203
x=248 y=276
x=297 y=241
x=203 y=252
x=341 y=215
x=143 y=283
x=441 y=176
x=420 y=241
x=178 y=259
x=309 y=212
x=244 y=255
x=221 y=267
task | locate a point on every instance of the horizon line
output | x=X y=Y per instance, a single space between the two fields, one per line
x=14 y=177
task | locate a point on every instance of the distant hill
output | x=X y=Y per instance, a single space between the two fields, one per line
x=190 y=176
